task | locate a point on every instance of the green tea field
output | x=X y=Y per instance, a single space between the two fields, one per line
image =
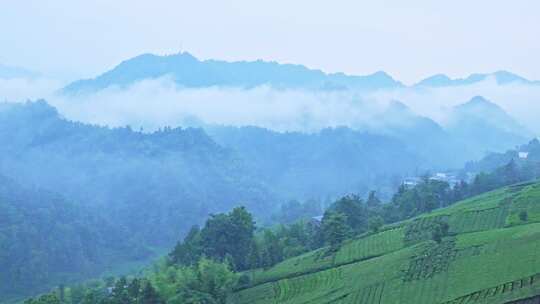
x=489 y=252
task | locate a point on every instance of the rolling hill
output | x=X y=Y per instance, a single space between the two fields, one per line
x=488 y=254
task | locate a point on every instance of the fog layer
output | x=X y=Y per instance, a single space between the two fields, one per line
x=155 y=103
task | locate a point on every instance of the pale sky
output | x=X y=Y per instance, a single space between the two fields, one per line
x=408 y=39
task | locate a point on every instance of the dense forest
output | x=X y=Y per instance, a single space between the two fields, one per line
x=129 y=194
x=45 y=240
x=223 y=255
x=142 y=181
x=294 y=162
x=341 y=160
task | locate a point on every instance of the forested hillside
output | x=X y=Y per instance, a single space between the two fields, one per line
x=128 y=192
x=482 y=250
x=331 y=162
x=527 y=156
x=46 y=241
x=133 y=192
x=154 y=185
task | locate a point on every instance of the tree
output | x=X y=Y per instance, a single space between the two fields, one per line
x=215 y=279
x=373 y=201
x=76 y=294
x=254 y=257
x=335 y=229
x=242 y=236
x=229 y=234
x=354 y=210
x=511 y=173
x=149 y=295
x=375 y=223
x=91 y=297
x=523 y=216
x=189 y=251
x=134 y=288
x=120 y=292
x=272 y=250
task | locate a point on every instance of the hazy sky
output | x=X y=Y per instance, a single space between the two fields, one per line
x=408 y=39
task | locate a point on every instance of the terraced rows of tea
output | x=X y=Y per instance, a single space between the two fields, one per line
x=490 y=255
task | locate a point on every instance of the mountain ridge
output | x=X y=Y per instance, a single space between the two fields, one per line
x=188 y=71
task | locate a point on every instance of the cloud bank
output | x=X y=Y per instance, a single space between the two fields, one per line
x=22 y=89
x=155 y=103
x=521 y=101
x=152 y=104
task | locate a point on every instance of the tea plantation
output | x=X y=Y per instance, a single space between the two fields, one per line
x=489 y=252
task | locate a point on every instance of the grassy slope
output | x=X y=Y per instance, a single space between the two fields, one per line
x=490 y=256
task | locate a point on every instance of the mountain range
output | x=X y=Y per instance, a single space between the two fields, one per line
x=188 y=71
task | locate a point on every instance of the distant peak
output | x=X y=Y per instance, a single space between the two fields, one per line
x=436 y=80
x=438 y=77
x=503 y=73
x=479 y=100
x=381 y=74
x=185 y=55
x=478 y=103
x=507 y=77
x=397 y=105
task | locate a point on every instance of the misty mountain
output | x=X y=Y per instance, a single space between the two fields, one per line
x=377 y=155
x=331 y=162
x=424 y=137
x=154 y=185
x=484 y=126
x=188 y=71
x=501 y=78
x=145 y=190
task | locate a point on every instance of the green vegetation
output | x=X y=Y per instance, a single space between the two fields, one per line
x=46 y=241
x=480 y=250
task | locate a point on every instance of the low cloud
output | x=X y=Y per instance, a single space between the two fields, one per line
x=23 y=89
x=156 y=103
x=520 y=101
